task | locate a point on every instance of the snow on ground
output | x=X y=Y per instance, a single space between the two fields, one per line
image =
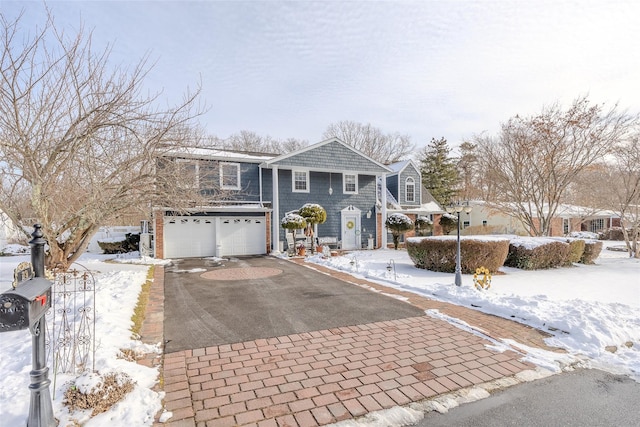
x=587 y=308
x=117 y=289
x=590 y=307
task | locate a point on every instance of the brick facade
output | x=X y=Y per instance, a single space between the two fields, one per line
x=158 y=228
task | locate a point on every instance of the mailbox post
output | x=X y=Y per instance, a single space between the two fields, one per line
x=25 y=307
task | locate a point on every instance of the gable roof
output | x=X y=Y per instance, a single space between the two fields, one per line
x=217 y=154
x=330 y=155
x=398 y=167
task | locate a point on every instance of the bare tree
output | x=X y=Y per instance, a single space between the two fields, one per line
x=79 y=139
x=385 y=148
x=533 y=161
x=625 y=185
x=252 y=142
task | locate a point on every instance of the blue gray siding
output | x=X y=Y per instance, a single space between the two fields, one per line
x=333 y=203
x=392 y=185
x=249 y=180
x=332 y=156
x=407 y=172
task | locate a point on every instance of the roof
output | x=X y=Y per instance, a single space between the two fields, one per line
x=398 y=167
x=328 y=162
x=217 y=154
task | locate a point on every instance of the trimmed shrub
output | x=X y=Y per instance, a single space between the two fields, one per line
x=423 y=226
x=439 y=254
x=537 y=253
x=293 y=221
x=448 y=223
x=576 y=249
x=131 y=243
x=613 y=233
x=398 y=223
x=592 y=250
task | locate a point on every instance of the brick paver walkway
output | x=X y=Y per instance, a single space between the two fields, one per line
x=321 y=377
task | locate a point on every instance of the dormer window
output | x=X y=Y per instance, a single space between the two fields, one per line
x=350 y=183
x=410 y=190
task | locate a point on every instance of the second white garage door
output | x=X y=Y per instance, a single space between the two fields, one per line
x=242 y=236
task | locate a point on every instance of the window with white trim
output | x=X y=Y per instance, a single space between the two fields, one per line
x=410 y=190
x=230 y=176
x=300 y=181
x=349 y=183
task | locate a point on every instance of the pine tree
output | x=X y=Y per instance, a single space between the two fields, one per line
x=439 y=171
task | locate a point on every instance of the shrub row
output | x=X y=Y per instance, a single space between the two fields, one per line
x=439 y=253
x=539 y=255
x=131 y=243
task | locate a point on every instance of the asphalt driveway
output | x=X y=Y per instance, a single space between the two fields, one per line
x=244 y=299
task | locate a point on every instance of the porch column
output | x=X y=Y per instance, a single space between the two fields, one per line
x=383 y=201
x=275 y=214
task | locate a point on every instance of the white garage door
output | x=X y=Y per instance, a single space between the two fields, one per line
x=243 y=235
x=189 y=237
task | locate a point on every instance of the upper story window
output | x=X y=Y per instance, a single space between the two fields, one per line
x=350 y=183
x=300 y=182
x=230 y=176
x=410 y=190
x=187 y=173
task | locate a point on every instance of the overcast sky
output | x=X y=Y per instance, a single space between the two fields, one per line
x=427 y=69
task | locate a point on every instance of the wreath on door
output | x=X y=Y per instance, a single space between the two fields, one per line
x=350 y=225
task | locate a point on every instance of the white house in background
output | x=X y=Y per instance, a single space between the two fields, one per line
x=8 y=230
x=568 y=218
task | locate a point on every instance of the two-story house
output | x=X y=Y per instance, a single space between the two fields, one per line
x=259 y=189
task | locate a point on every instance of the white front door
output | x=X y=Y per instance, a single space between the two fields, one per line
x=350 y=219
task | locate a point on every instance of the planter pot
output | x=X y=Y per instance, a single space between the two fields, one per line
x=302 y=251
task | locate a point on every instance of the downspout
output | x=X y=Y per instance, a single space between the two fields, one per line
x=275 y=215
x=383 y=201
x=260 y=181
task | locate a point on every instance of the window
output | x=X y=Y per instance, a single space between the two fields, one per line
x=465 y=224
x=187 y=174
x=410 y=190
x=565 y=226
x=300 y=181
x=484 y=223
x=596 y=225
x=350 y=183
x=230 y=176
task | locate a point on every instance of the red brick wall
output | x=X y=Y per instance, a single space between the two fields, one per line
x=267 y=217
x=158 y=227
x=437 y=228
x=379 y=229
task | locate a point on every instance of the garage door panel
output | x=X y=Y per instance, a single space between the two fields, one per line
x=188 y=237
x=242 y=236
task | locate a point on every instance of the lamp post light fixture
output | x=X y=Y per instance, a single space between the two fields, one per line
x=457 y=208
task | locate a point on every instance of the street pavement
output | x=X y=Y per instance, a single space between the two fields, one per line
x=583 y=398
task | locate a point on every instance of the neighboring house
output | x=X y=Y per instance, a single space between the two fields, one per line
x=261 y=189
x=407 y=195
x=9 y=232
x=568 y=218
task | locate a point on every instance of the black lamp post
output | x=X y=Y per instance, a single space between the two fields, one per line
x=457 y=208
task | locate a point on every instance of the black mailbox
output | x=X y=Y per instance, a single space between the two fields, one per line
x=22 y=307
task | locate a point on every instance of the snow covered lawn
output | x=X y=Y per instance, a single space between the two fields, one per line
x=117 y=289
x=587 y=308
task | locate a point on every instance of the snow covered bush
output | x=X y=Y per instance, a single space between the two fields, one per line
x=592 y=249
x=438 y=253
x=293 y=221
x=313 y=213
x=576 y=248
x=448 y=223
x=423 y=225
x=398 y=223
x=536 y=253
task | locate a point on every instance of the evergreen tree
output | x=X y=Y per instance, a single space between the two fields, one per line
x=439 y=171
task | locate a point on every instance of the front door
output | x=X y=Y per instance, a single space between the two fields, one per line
x=350 y=218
